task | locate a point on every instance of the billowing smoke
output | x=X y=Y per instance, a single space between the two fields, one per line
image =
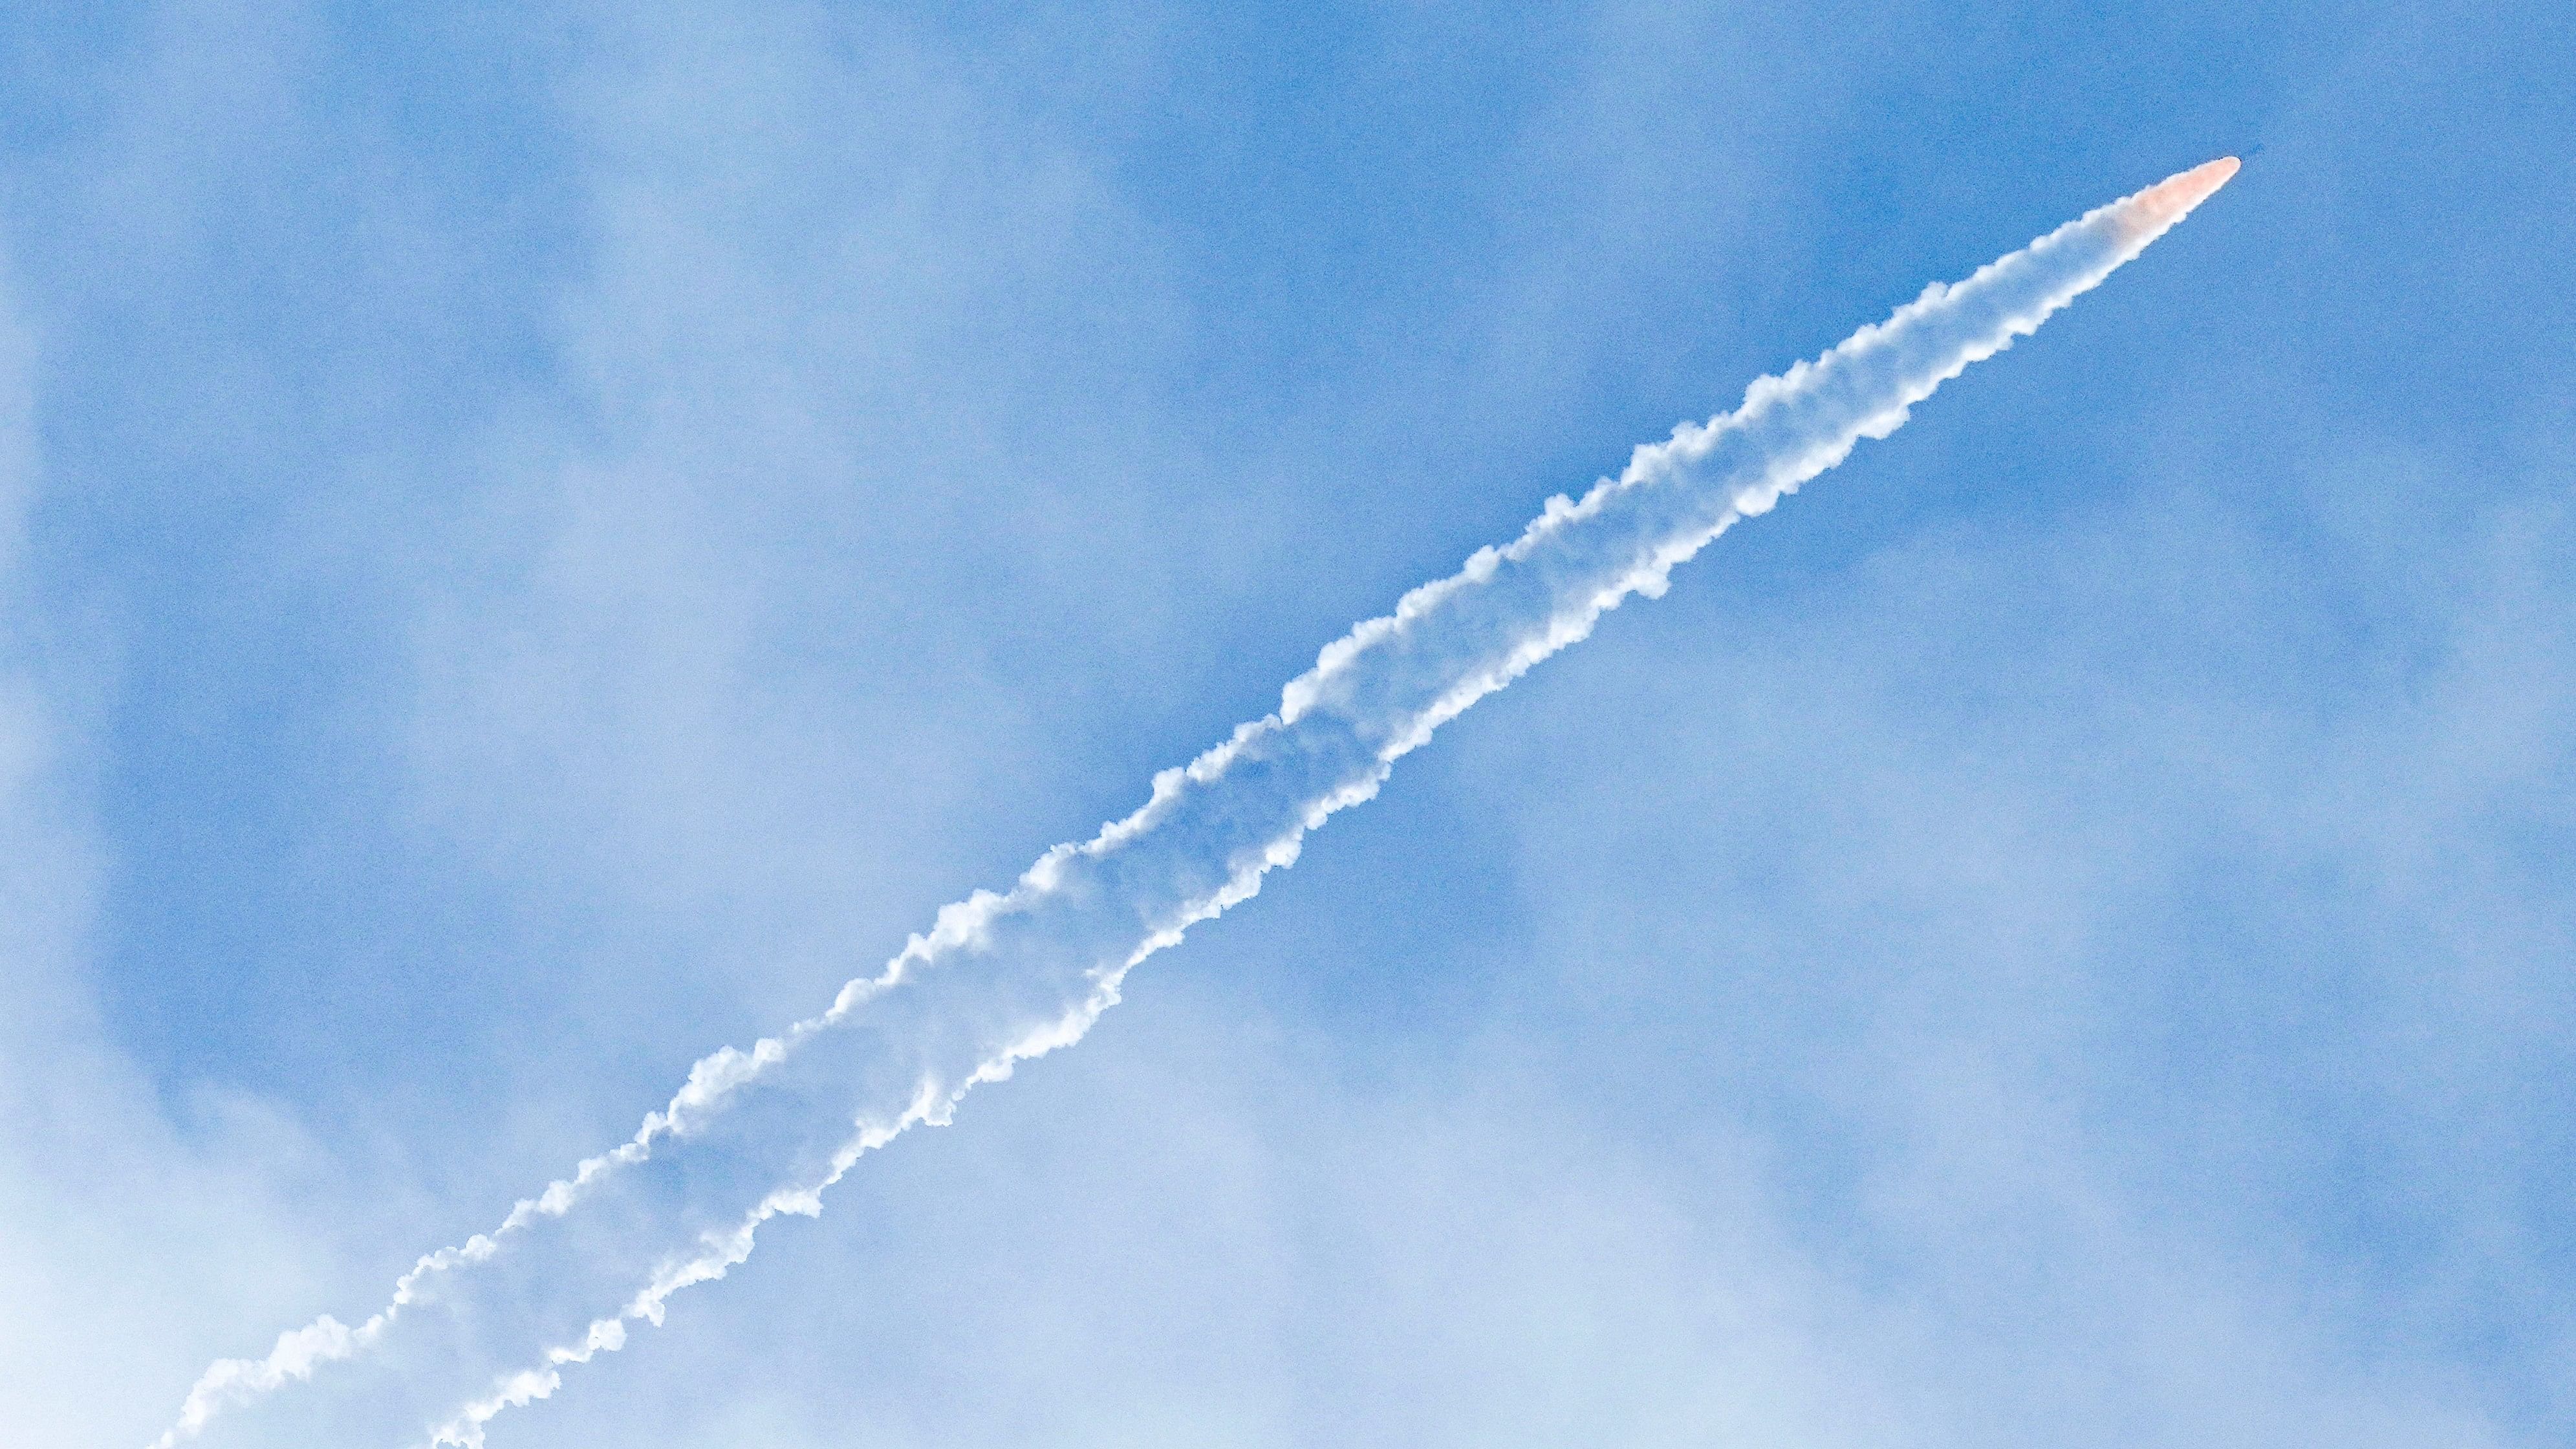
x=476 y=1329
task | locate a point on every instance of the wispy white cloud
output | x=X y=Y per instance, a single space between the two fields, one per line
x=95 y=1185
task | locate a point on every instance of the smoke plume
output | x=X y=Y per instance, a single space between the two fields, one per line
x=492 y=1323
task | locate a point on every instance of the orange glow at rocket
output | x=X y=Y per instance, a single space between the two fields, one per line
x=2148 y=213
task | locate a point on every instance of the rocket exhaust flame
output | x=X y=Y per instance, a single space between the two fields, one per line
x=2152 y=211
x=490 y=1324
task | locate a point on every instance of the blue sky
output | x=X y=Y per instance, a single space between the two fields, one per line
x=536 y=540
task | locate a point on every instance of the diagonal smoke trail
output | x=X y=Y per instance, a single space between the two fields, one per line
x=478 y=1328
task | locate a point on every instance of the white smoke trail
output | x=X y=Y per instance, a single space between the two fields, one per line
x=490 y=1324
